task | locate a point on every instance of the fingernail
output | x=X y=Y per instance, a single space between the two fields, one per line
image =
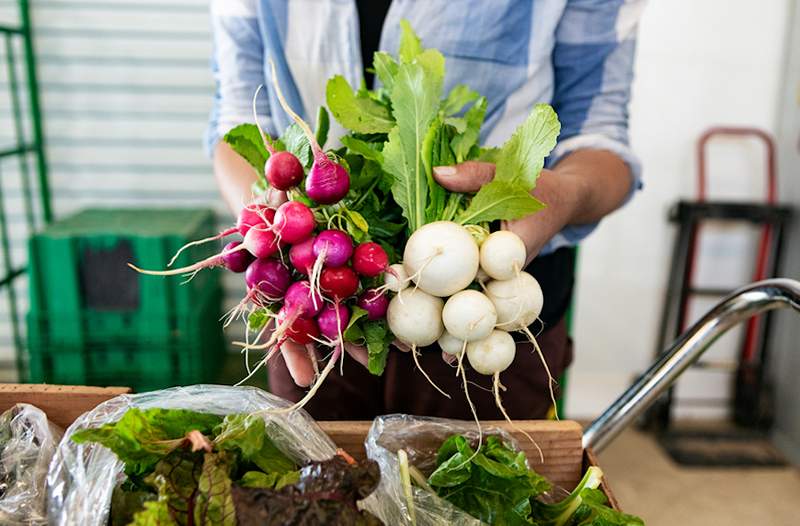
x=444 y=171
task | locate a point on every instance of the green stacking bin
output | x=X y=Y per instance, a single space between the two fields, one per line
x=95 y=321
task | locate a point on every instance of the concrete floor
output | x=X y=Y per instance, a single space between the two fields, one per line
x=647 y=483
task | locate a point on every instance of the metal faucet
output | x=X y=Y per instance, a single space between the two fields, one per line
x=737 y=307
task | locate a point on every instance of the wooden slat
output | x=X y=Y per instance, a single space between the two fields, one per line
x=61 y=403
x=560 y=443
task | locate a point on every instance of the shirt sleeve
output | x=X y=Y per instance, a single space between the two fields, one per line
x=237 y=63
x=593 y=68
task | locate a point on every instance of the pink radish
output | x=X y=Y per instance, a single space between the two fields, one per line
x=299 y=330
x=283 y=170
x=327 y=182
x=236 y=261
x=339 y=283
x=334 y=247
x=300 y=301
x=375 y=303
x=294 y=222
x=370 y=260
x=332 y=320
x=302 y=257
x=268 y=279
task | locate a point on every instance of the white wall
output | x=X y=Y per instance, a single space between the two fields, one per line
x=699 y=64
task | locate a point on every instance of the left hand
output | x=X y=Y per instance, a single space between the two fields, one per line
x=535 y=230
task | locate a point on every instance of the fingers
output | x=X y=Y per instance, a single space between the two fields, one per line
x=298 y=362
x=465 y=177
x=275 y=198
x=401 y=346
x=449 y=358
x=358 y=353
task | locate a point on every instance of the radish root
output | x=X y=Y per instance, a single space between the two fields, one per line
x=414 y=353
x=499 y=402
x=550 y=379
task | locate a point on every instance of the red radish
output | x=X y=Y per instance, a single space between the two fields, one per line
x=302 y=256
x=300 y=301
x=332 y=320
x=260 y=241
x=327 y=182
x=370 y=260
x=334 y=247
x=300 y=330
x=375 y=303
x=236 y=261
x=340 y=282
x=283 y=170
x=268 y=278
x=250 y=215
x=294 y=222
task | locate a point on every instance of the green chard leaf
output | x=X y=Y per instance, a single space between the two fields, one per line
x=248 y=435
x=500 y=200
x=154 y=513
x=521 y=158
x=246 y=140
x=175 y=478
x=385 y=69
x=143 y=437
x=258 y=479
x=214 y=504
x=296 y=142
x=459 y=96
x=594 y=511
x=415 y=101
x=356 y=111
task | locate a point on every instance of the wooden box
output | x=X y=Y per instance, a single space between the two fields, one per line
x=564 y=458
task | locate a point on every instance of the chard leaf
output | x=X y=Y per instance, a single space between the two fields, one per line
x=459 y=96
x=410 y=44
x=521 y=158
x=246 y=140
x=296 y=142
x=143 y=437
x=154 y=513
x=386 y=69
x=257 y=479
x=500 y=200
x=415 y=100
x=466 y=139
x=367 y=150
x=175 y=478
x=214 y=503
x=248 y=435
x=594 y=511
x=356 y=111
x=378 y=337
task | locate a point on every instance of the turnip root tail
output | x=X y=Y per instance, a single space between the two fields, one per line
x=550 y=379
x=471 y=405
x=460 y=368
x=499 y=402
x=222 y=234
x=414 y=352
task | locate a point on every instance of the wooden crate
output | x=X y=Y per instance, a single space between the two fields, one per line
x=564 y=458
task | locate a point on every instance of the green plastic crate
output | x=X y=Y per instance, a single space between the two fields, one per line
x=92 y=318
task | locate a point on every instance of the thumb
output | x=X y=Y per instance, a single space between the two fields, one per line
x=468 y=176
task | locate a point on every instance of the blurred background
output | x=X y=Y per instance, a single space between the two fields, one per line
x=124 y=88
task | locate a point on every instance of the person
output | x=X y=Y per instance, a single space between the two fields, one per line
x=574 y=54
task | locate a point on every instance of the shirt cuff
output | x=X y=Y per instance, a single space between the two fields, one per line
x=571 y=235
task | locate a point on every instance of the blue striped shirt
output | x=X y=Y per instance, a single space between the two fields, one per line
x=574 y=54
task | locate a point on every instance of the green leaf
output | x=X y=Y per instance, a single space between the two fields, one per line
x=356 y=112
x=248 y=435
x=257 y=479
x=459 y=96
x=459 y=123
x=410 y=44
x=214 y=503
x=358 y=220
x=154 y=513
x=436 y=152
x=257 y=319
x=385 y=68
x=522 y=157
x=594 y=511
x=296 y=142
x=500 y=200
x=378 y=338
x=466 y=139
x=143 y=437
x=246 y=140
x=175 y=478
x=415 y=100
x=323 y=126
x=367 y=150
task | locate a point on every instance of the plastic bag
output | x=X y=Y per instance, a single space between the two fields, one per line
x=420 y=438
x=82 y=477
x=27 y=443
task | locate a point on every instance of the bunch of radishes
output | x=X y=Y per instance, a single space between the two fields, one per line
x=468 y=293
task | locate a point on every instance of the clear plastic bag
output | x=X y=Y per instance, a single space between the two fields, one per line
x=27 y=444
x=82 y=477
x=420 y=438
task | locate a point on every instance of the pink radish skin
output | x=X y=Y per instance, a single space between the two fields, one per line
x=268 y=278
x=299 y=300
x=236 y=261
x=327 y=182
x=302 y=257
x=283 y=170
x=332 y=325
x=375 y=303
x=252 y=215
x=339 y=283
x=370 y=260
x=301 y=330
x=294 y=222
x=334 y=246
